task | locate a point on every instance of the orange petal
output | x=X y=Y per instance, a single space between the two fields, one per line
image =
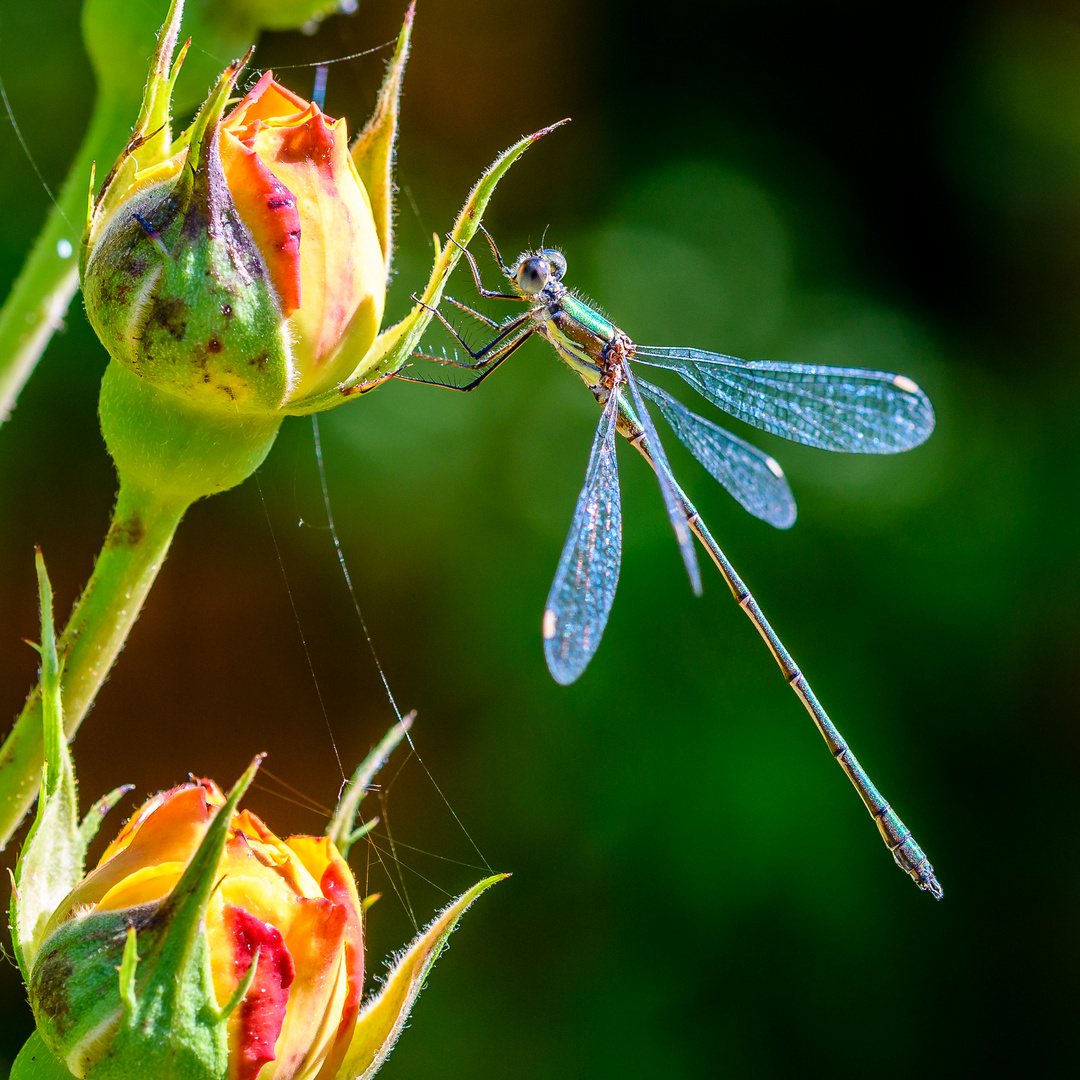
x=340 y=259
x=266 y=100
x=123 y=838
x=338 y=884
x=322 y=859
x=167 y=829
x=315 y=941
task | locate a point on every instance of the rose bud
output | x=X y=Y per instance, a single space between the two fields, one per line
x=118 y=36
x=203 y=947
x=238 y=273
x=244 y=271
x=292 y=902
x=231 y=270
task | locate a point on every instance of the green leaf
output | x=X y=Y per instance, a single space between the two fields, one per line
x=383 y=1017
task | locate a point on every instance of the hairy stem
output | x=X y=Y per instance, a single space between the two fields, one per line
x=39 y=299
x=135 y=547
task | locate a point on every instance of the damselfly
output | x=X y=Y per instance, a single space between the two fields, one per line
x=844 y=409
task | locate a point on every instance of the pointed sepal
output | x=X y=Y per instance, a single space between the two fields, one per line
x=383 y=1017
x=96 y=814
x=242 y=988
x=151 y=138
x=152 y=129
x=342 y=829
x=373 y=150
x=394 y=346
x=53 y=856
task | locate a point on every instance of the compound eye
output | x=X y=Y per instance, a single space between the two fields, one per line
x=557 y=263
x=533 y=274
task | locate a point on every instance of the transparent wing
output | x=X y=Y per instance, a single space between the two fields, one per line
x=667 y=487
x=582 y=593
x=749 y=474
x=847 y=409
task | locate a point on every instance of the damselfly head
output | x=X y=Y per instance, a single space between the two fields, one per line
x=534 y=272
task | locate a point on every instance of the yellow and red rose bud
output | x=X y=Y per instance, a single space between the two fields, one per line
x=237 y=274
x=240 y=267
x=203 y=947
x=244 y=271
x=293 y=903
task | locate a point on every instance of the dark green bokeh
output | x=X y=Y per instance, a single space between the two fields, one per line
x=697 y=889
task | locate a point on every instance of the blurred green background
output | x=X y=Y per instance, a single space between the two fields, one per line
x=697 y=890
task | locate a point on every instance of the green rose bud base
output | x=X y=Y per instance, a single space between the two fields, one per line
x=171 y=448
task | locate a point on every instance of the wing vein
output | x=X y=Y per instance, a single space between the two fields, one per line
x=583 y=591
x=851 y=410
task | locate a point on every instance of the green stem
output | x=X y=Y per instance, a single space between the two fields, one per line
x=38 y=302
x=135 y=547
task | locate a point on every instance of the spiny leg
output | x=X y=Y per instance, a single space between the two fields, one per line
x=480 y=355
x=485 y=359
x=906 y=852
x=495 y=251
x=493 y=323
x=485 y=368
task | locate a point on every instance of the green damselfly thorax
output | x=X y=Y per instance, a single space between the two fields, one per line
x=843 y=409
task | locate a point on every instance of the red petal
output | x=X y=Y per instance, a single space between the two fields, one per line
x=336 y=884
x=268 y=209
x=335 y=887
x=262 y=1012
